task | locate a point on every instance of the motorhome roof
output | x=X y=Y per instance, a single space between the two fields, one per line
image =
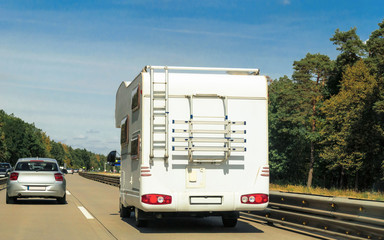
x=233 y=71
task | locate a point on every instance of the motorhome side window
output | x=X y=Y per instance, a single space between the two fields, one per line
x=135 y=98
x=135 y=147
x=124 y=131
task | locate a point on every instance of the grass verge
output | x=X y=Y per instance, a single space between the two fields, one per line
x=377 y=196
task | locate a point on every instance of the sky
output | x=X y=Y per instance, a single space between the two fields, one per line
x=61 y=62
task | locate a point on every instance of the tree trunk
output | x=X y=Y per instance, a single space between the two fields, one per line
x=311 y=163
x=357 y=181
x=312 y=157
x=341 y=184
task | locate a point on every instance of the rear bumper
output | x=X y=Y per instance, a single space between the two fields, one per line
x=183 y=202
x=159 y=215
x=23 y=190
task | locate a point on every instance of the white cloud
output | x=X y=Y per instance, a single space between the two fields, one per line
x=93 y=131
x=286 y=2
x=80 y=137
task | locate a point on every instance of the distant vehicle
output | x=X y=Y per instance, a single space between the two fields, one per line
x=69 y=170
x=194 y=141
x=36 y=177
x=75 y=170
x=5 y=168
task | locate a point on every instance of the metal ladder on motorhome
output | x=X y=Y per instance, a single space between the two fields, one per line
x=220 y=143
x=159 y=118
x=159 y=115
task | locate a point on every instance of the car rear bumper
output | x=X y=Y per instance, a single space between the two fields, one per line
x=16 y=189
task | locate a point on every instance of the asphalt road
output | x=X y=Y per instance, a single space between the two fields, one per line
x=92 y=212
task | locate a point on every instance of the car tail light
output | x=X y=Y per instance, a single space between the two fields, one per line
x=59 y=177
x=156 y=199
x=256 y=198
x=14 y=176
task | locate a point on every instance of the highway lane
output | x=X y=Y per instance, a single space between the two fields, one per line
x=44 y=219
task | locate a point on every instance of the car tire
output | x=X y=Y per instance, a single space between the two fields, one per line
x=10 y=200
x=62 y=200
x=139 y=221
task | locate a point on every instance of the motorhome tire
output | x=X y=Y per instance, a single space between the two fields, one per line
x=230 y=220
x=124 y=211
x=139 y=221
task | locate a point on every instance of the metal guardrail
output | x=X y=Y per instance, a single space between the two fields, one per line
x=335 y=216
x=3 y=182
x=103 y=178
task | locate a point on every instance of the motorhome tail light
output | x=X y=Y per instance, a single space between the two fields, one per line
x=256 y=198
x=14 y=176
x=59 y=177
x=156 y=199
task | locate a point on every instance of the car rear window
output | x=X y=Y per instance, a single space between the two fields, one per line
x=4 y=166
x=36 y=166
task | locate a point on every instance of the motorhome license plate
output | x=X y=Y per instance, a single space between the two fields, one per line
x=36 y=188
x=205 y=200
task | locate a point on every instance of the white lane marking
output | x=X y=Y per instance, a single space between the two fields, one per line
x=68 y=193
x=85 y=212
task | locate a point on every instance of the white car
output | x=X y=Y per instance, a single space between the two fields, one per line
x=36 y=177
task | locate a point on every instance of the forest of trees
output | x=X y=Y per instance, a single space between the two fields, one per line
x=326 y=123
x=19 y=139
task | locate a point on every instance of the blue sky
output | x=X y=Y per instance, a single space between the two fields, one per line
x=61 y=62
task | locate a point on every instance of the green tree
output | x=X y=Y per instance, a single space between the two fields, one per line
x=375 y=46
x=351 y=134
x=351 y=50
x=287 y=132
x=312 y=74
x=3 y=147
x=17 y=138
x=57 y=152
x=375 y=60
x=36 y=146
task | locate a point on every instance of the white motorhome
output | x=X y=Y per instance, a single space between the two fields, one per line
x=194 y=141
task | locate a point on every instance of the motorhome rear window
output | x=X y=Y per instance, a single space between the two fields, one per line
x=135 y=98
x=124 y=131
x=135 y=147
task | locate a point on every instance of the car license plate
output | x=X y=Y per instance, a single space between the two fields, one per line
x=36 y=188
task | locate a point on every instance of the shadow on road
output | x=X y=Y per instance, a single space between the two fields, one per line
x=37 y=201
x=192 y=225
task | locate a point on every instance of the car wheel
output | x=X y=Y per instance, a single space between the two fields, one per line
x=139 y=221
x=10 y=200
x=62 y=200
